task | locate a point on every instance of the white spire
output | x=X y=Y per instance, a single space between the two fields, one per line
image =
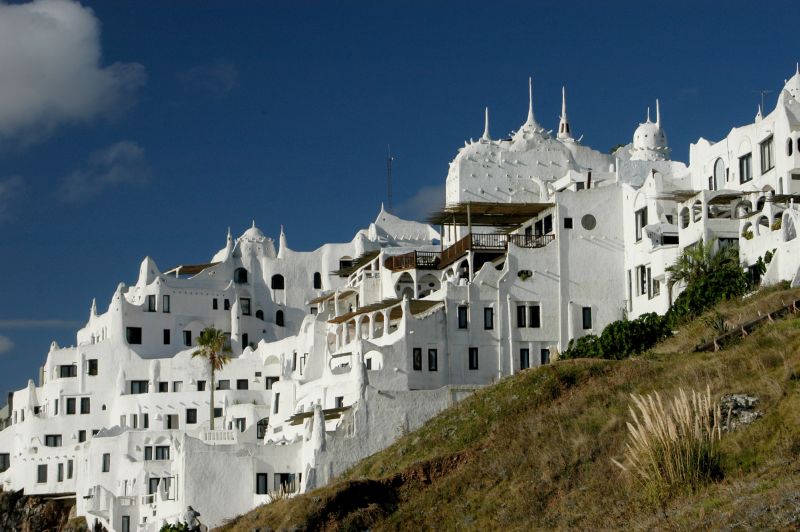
x=254 y=223
x=531 y=120
x=486 y=127
x=759 y=116
x=658 y=114
x=563 y=124
x=648 y=114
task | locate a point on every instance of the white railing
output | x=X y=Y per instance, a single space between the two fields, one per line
x=219 y=436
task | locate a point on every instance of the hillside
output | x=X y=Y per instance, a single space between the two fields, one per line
x=535 y=450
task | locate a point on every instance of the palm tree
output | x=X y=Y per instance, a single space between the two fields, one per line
x=698 y=261
x=213 y=346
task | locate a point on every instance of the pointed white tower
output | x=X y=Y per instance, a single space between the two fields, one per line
x=658 y=113
x=282 y=244
x=759 y=115
x=564 y=130
x=486 y=136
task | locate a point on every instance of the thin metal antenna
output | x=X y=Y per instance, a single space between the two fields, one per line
x=762 y=93
x=389 y=159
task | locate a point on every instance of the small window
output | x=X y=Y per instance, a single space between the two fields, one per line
x=139 y=387
x=462 y=317
x=5 y=461
x=71 y=402
x=69 y=468
x=91 y=366
x=165 y=303
x=217 y=412
x=416 y=357
x=641 y=222
x=133 y=335
x=214 y=304
x=60 y=473
x=488 y=318
x=294 y=361
x=148 y=453
x=106 y=462
x=745 y=168
x=433 y=360
x=338 y=401
x=151 y=303
x=548 y=224
x=524 y=358
x=521 y=315
x=244 y=305
x=279 y=318
x=277 y=403
x=187 y=338
x=567 y=223
x=240 y=275
x=368 y=363
x=224 y=384
x=277 y=282
x=177 y=386
x=545 y=356
x=587 y=317
x=262 y=483
x=81 y=436
x=55 y=407
x=226 y=304
x=166 y=337
x=68 y=370
x=245 y=340
x=52 y=440
x=260 y=314
x=241 y=384
x=191 y=416
x=201 y=386
x=163 y=387
x=41 y=473
x=261 y=428
x=473 y=358
x=269 y=382
x=767 y=155
x=162 y=452
x=534 y=316
x=145 y=421
x=85 y=405
x=317 y=281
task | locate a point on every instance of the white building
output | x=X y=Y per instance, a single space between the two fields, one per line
x=338 y=351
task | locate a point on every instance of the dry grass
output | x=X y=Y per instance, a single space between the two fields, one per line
x=673 y=447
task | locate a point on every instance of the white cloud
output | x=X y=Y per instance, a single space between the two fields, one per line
x=216 y=79
x=122 y=163
x=424 y=202
x=50 y=70
x=5 y=344
x=10 y=190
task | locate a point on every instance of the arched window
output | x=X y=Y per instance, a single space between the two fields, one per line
x=789 y=146
x=317 y=281
x=239 y=275
x=279 y=318
x=277 y=282
x=719 y=174
x=760 y=203
x=684 y=218
x=260 y=314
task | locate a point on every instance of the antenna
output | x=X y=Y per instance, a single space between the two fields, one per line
x=389 y=159
x=762 y=92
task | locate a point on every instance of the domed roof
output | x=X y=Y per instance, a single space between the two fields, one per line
x=649 y=140
x=793 y=85
x=253 y=234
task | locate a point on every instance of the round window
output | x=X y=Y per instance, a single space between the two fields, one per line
x=588 y=222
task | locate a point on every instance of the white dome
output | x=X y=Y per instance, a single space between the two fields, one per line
x=793 y=85
x=254 y=234
x=649 y=136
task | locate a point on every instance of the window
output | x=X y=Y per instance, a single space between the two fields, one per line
x=60 y=474
x=162 y=452
x=85 y=405
x=148 y=453
x=81 y=436
x=165 y=303
x=133 y=335
x=261 y=428
x=488 y=318
x=789 y=146
x=277 y=403
x=767 y=155
x=172 y=421
x=201 y=386
x=163 y=387
x=134 y=421
x=70 y=370
x=433 y=360
x=587 y=317
x=94 y=432
x=416 y=358
x=126 y=523
x=269 y=381
x=151 y=303
x=239 y=275
x=224 y=384
x=226 y=304
x=177 y=386
x=338 y=401
x=187 y=338
x=534 y=316
x=524 y=358
x=368 y=363
x=145 y=421
x=279 y=318
x=521 y=314
x=217 y=412
x=473 y=358
x=52 y=440
x=5 y=461
x=262 y=483
x=548 y=224
x=91 y=367
x=545 y=356
x=69 y=468
x=294 y=361
x=41 y=473
x=152 y=485
x=317 y=281
x=462 y=317
x=641 y=222
x=241 y=384
x=284 y=482
x=106 y=462
x=138 y=387
x=567 y=223
x=166 y=336
x=214 y=304
x=641 y=275
x=277 y=282
x=71 y=405
x=245 y=340
x=244 y=304
x=55 y=408
x=745 y=168
x=260 y=314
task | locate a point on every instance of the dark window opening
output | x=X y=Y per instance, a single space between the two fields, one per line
x=417 y=358
x=488 y=318
x=473 y=358
x=587 y=317
x=92 y=366
x=133 y=335
x=241 y=384
x=317 y=281
x=277 y=282
x=433 y=360
x=70 y=370
x=279 y=318
x=151 y=303
x=244 y=305
x=262 y=483
x=165 y=303
x=524 y=358
x=239 y=275
x=260 y=314
x=187 y=338
x=71 y=402
x=462 y=317
x=166 y=337
x=567 y=223
x=85 y=405
x=191 y=416
x=534 y=316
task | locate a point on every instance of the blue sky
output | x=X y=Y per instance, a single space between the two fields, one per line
x=130 y=129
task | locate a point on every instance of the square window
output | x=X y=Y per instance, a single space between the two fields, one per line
x=462 y=317
x=163 y=387
x=201 y=386
x=191 y=416
x=224 y=384
x=417 y=358
x=67 y=370
x=162 y=452
x=488 y=318
x=567 y=223
x=139 y=387
x=241 y=384
x=133 y=335
x=473 y=358
x=433 y=360
x=177 y=386
x=217 y=412
x=338 y=401
x=269 y=382
x=52 y=440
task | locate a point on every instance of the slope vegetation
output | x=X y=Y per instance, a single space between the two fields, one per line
x=536 y=449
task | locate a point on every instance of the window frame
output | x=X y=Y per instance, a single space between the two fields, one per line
x=463 y=317
x=587 y=323
x=416 y=359
x=766 y=149
x=165 y=303
x=473 y=358
x=433 y=359
x=746 y=163
x=488 y=318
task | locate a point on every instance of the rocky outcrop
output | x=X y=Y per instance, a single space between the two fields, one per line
x=21 y=513
x=738 y=410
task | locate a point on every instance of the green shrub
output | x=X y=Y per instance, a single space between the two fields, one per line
x=621 y=339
